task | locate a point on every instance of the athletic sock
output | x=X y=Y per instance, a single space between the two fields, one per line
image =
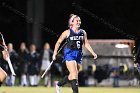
x=74 y=85
x=63 y=81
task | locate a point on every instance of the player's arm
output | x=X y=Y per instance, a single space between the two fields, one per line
x=5 y=53
x=88 y=47
x=58 y=43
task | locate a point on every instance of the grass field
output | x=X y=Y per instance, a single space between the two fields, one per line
x=68 y=90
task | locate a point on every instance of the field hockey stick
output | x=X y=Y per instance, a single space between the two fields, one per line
x=52 y=61
x=47 y=69
x=8 y=58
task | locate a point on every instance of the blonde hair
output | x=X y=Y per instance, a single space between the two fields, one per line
x=72 y=16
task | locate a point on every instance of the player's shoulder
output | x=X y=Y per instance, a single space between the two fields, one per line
x=65 y=31
x=83 y=31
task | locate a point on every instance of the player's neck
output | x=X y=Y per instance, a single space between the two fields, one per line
x=75 y=29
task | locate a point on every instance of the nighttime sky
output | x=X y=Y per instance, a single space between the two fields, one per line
x=102 y=19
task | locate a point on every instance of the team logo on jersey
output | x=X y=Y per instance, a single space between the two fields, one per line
x=76 y=37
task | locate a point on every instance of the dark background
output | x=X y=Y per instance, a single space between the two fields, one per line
x=102 y=19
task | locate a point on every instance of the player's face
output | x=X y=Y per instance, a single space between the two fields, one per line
x=76 y=22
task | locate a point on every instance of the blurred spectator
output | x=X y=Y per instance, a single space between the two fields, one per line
x=82 y=76
x=46 y=55
x=86 y=77
x=102 y=72
x=90 y=76
x=115 y=75
x=136 y=56
x=10 y=80
x=33 y=65
x=22 y=58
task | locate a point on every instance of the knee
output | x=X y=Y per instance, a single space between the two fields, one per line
x=73 y=75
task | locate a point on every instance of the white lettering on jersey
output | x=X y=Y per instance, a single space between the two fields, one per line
x=76 y=37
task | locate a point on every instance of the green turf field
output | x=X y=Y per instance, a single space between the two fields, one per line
x=68 y=90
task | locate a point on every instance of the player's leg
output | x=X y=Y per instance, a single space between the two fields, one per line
x=67 y=56
x=73 y=75
x=3 y=75
x=61 y=83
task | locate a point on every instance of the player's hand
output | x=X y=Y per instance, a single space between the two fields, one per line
x=5 y=54
x=54 y=56
x=135 y=64
x=95 y=56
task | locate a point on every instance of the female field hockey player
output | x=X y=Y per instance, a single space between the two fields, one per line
x=75 y=38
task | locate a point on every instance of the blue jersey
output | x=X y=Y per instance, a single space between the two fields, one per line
x=73 y=49
x=75 y=40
